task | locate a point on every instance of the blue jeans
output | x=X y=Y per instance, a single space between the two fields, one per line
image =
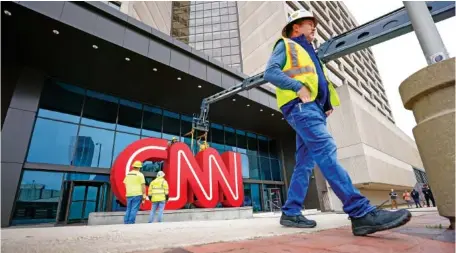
x=160 y=206
x=315 y=144
x=133 y=204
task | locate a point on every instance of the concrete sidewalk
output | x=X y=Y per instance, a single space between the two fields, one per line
x=140 y=237
x=421 y=234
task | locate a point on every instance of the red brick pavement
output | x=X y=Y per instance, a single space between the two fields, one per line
x=422 y=234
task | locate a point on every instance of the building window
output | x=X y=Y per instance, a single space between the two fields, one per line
x=152 y=122
x=52 y=142
x=421 y=176
x=171 y=125
x=62 y=102
x=94 y=148
x=122 y=140
x=203 y=25
x=256 y=198
x=109 y=124
x=276 y=170
x=100 y=110
x=129 y=117
x=38 y=197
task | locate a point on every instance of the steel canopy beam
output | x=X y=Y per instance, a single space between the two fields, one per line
x=389 y=26
x=379 y=30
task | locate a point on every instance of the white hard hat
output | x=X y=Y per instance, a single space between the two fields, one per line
x=160 y=174
x=299 y=14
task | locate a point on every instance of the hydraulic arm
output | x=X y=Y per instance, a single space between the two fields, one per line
x=384 y=28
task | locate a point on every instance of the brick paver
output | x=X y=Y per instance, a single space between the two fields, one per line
x=421 y=234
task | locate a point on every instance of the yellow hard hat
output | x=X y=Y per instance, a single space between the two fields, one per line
x=174 y=138
x=137 y=164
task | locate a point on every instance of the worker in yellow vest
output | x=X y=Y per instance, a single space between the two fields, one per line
x=173 y=140
x=306 y=97
x=203 y=145
x=135 y=185
x=158 y=192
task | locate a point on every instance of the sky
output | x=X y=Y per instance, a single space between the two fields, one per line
x=400 y=57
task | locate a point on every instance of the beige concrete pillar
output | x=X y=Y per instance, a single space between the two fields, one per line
x=430 y=94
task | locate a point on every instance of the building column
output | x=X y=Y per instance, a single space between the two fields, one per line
x=16 y=133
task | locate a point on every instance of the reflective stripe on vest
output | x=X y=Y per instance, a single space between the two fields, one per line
x=158 y=190
x=298 y=71
x=299 y=66
x=293 y=53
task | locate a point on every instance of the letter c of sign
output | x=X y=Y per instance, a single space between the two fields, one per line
x=149 y=149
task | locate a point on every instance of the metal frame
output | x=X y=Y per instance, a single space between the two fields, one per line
x=379 y=30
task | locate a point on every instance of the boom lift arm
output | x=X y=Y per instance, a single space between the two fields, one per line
x=379 y=30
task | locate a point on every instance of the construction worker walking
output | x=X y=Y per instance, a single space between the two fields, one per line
x=306 y=97
x=158 y=192
x=135 y=185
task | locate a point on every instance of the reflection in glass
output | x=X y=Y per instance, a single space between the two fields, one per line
x=78 y=193
x=263 y=146
x=265 y=168
x=97 y=147
x=252 y=144
x=254 y=167
x=276 y=170
x=217 y=135
x=38 y=197
x=52 y=142
x=61 y=101
x=149 y=166
x=171 y=125
x=241 y=141
x=129 y=119
x=245 y=166
x=100 y=110
x=89 y=208
x=86 y=177
x=256 y=200
x=76 y=210
x=117 y=206
x=230 y=139
x=152 y=122
x=273 y=149
x=122 y=141
x=247 y=195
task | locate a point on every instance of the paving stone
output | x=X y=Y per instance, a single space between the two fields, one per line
x=417 y=236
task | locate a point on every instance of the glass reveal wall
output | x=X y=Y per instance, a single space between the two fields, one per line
x=84 y=128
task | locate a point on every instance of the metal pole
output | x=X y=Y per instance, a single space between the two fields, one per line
x=430 y=41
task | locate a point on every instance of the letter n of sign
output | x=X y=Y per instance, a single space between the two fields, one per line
x=209 y=177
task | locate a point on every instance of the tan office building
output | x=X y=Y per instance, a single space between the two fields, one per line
x=376 y=153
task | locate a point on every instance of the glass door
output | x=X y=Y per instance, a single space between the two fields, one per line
x=84 y=198
x=272 y=199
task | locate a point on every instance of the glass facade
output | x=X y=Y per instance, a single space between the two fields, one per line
x=88 y=129
x=211 y=27
x=84 y=128
x=41 y=192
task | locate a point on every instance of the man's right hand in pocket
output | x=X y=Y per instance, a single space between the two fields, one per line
x=304 y=94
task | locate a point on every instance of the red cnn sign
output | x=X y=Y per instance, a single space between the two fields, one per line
x=210 y=177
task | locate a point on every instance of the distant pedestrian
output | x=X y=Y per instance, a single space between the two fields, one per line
x=393 y=196
x=135 y=185
x=428 y=195
x=416 y=198
x=407 y=198
x=158 y=192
